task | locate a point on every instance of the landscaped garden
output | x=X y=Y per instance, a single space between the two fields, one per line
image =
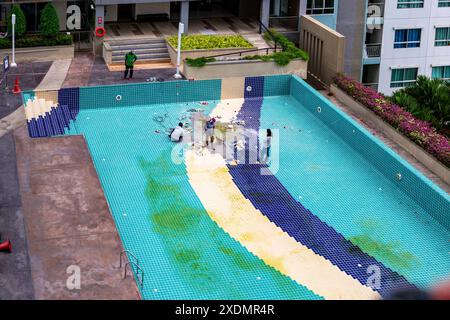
x=49 y=30
x=204 y=42
x=412 y=111
x=288 y=52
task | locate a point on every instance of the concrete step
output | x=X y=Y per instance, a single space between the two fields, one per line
x=138 y=46
x=137 y=41
x=138 y=52
x=144 y=61
x=148 y=56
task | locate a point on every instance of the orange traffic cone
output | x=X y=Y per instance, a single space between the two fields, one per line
x=16 y=89
x=6 y=246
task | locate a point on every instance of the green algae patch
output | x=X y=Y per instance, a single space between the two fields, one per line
x=385 y=252
x=238 y=258
x=180 y=219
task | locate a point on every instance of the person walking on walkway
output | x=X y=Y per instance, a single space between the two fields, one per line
x=130 y=59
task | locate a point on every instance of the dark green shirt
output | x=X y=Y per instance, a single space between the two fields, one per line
x=130 y=58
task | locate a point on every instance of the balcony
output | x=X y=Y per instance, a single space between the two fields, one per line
x=373 y=50
x=375 y=15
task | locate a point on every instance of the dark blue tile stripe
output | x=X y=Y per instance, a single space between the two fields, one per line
x=70 y=97
x=268 y=195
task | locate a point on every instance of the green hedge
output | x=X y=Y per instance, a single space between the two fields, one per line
x=199 y=42
x=37 y=41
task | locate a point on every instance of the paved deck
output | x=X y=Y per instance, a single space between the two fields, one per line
x=85 y=70
x=67 y=220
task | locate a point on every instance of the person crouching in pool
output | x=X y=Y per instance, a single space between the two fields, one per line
x=209 y=130
x=176 y=135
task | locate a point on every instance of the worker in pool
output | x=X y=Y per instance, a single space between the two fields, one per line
x=176 y=134
x=130 y=59
x=209 y=131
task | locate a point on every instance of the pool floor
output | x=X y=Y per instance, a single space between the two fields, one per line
x=186 y=255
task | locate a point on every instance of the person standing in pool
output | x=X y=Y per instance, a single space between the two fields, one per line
x=209 y=130
x=130 y=59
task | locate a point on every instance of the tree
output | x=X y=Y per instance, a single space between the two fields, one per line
x=428 y=99
x=49 y=23
x=21 y=22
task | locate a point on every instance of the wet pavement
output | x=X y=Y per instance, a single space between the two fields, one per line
x=30 y=74
x=15 y=272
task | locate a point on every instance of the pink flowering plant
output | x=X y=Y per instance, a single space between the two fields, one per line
x=419 y=131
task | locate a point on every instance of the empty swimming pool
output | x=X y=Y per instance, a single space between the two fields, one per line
x=333 y=220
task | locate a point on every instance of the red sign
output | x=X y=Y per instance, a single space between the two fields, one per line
x=99 y=20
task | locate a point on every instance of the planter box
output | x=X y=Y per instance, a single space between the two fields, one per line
x=411 y=147
x=244 y=68
x=192 y=54
x=41 y=53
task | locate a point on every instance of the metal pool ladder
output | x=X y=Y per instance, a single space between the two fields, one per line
x=135 y=263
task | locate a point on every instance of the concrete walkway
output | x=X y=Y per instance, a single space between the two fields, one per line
x=55 y=76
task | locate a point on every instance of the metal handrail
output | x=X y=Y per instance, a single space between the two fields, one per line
x=128 y=252
x=267 y=49
x=140 y=276
x=272 y=36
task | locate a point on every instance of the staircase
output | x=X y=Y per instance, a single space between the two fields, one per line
x=152 y=50
x=47 y=119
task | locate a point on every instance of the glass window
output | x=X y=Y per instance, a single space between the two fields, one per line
x=403 y=77
x=442 y=72
x=442 y=37
x=320 y=7
x=407 y=38
x=444 y=3
x=408 y=4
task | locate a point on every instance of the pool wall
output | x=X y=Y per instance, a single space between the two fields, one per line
x=433 y=199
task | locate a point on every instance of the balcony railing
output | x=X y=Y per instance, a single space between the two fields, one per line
x=373 y=50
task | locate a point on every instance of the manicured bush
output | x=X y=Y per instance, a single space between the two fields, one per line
x=21 y=23
x=49 y=23
x=419 y=131
x=37 y=41
x=199 y=42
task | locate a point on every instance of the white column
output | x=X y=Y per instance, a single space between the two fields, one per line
x=265 y=12
x=99 y=13
x=301 y=11
x=184 y=15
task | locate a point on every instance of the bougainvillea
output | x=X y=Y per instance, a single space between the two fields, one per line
x=419 y=131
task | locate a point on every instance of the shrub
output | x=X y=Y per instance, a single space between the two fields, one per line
x=21 y=23
x=199 y=42
x=199 y=62
x=417 y=130
x=49 y=23
x=37 y=41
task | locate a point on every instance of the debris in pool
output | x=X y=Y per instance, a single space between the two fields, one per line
x=87 y=118
x=300 y=197
x=103 y=159
x=124 y=214
x=380 y=189
x=157 y=131
x=204 y=103
x=359 y=265
x=155 y=290
x=258 y=278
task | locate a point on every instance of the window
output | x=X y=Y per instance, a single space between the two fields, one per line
x=442 y=37
x=320 y=7
x=407 y=38
x=444 y=3
x=403 y=77
x=442 y=72
x=408 y=4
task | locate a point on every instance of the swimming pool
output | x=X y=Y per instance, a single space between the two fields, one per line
x=332 y=220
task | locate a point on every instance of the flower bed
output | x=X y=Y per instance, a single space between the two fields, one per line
x=419 y=131
x=28 y=41
x=201 y=42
